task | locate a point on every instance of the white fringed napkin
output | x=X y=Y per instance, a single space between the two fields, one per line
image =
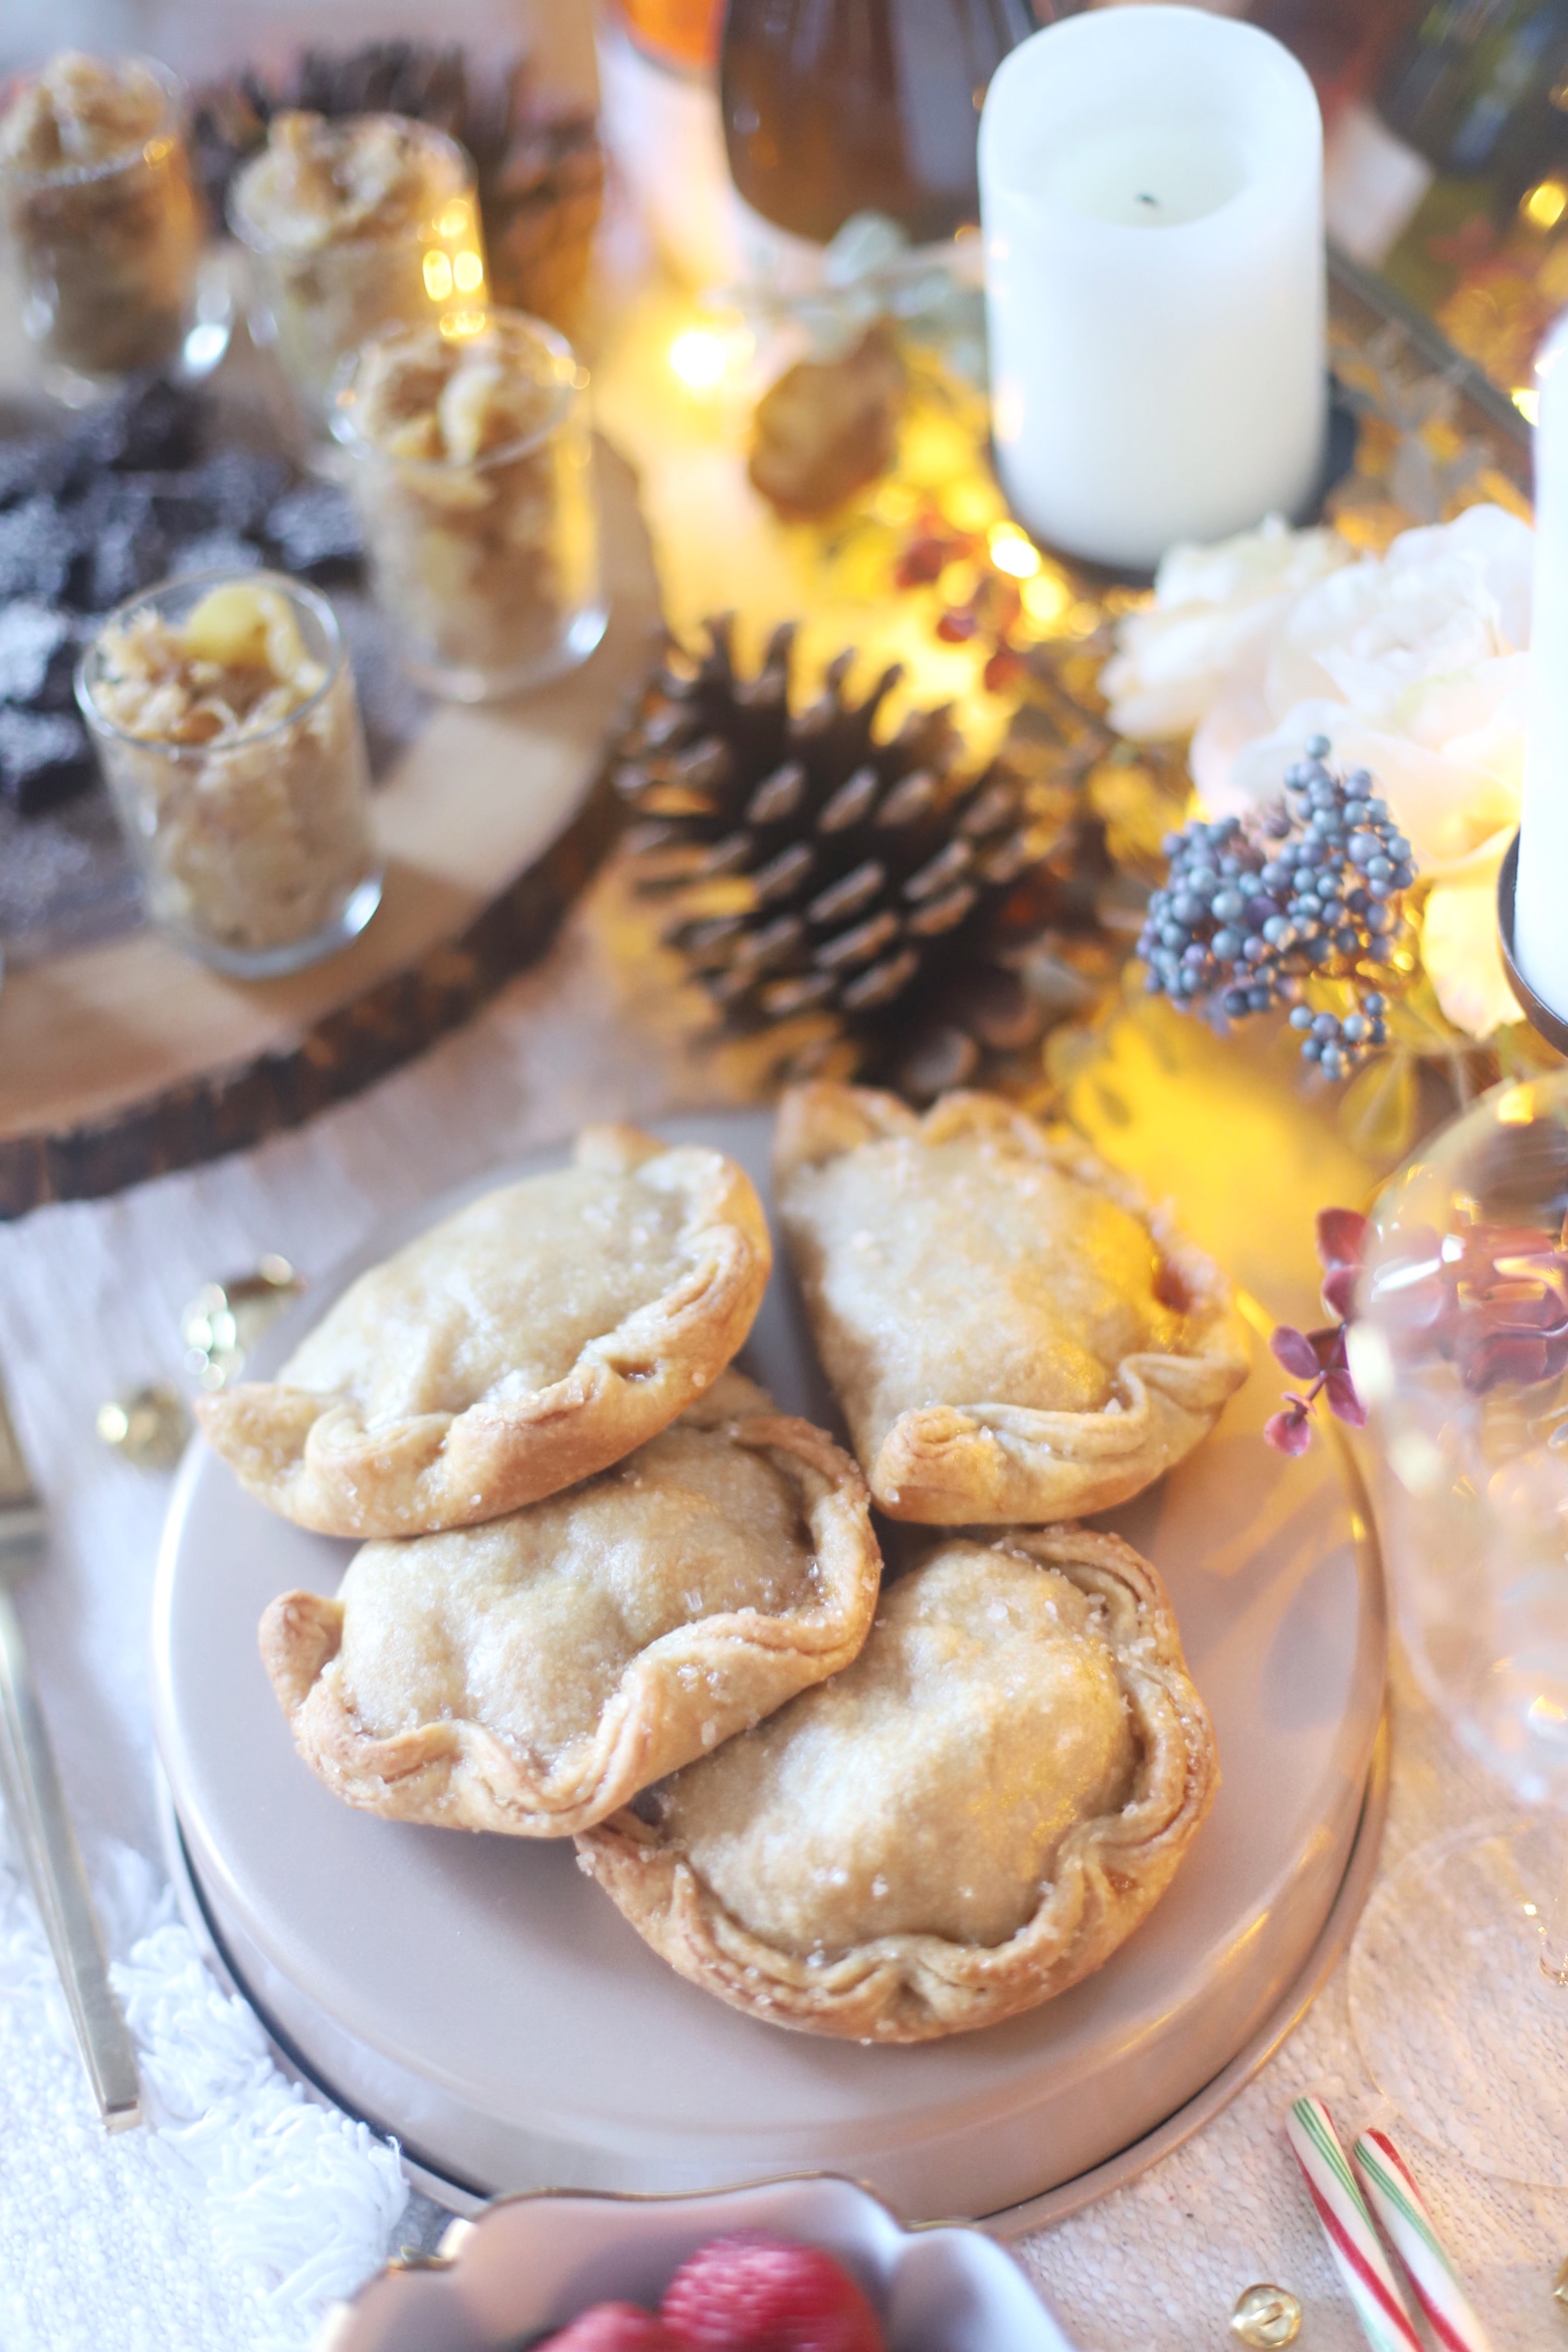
x=292 y=2203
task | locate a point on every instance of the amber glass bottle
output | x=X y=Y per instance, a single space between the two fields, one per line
x=1343 y=44
x=838 y=106
x=676 y=32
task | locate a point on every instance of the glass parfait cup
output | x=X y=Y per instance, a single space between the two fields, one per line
x=318 y=292
x=108 y=251
x=488 y=566
x=255 y=848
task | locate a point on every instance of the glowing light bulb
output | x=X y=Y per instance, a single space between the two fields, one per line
x=1046 y=597
x=1012 y=553
x=468 y=270
x=1545 y=203
x=438 y=277
x=697 y=358
x=969 y=505
x=454 y=222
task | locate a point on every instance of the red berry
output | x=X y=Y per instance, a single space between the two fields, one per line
x=1004 y=668
x=757 y=2293
x=614 y=2327
x=922 y=561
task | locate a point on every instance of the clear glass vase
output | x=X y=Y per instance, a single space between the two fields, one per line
x=1460 y=1353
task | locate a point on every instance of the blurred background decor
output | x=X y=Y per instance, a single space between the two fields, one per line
x=866 y=777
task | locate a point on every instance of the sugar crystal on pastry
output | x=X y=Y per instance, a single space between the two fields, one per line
x=1014 y=1334
x=532 y=1673
x=540 y=1334
x=987 y=1707
x=972 y=1271
x=957 y=1826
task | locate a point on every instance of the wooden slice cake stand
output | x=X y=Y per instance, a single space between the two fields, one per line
x=127 y=1059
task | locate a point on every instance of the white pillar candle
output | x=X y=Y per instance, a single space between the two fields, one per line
x=1540 y=903
x=1151 y=187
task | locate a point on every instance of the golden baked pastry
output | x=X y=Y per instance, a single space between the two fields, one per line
x=537 y=1335
x=968 y=1819
x=532 y=1674
x=1013 y=1333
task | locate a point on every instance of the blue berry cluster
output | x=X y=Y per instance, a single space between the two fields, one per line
x=1248 y=915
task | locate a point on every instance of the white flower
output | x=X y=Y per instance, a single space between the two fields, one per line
x=1413 y=664
x=1382 y=636
x=1450 y=799
x=1459 y=947
x=1215 y=610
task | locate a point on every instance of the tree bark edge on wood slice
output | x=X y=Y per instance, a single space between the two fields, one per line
x=345 y=1051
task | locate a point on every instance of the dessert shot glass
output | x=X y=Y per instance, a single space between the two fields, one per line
x=103 y=220
x=367 y=221
x=470 y=463
x=223 y=711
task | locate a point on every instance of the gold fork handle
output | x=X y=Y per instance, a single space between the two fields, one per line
x=53 y=1861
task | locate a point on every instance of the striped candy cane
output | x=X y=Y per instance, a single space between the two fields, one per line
x=1352 y=2240
x=1398 y=2205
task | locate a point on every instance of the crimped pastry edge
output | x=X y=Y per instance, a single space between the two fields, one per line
x=989 y=1463
x=431 y=1472
x=456 y=1774
x=1111 y=1872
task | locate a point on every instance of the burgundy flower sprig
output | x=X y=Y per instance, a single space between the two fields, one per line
x=1489 y=1300
x=1320 y=1357
x=1495 y=1305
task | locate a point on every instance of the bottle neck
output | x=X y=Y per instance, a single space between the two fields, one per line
x=833 y=107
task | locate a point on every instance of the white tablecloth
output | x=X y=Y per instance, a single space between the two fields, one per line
x=225 y=2228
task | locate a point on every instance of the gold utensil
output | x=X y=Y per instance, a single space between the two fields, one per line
x=223 y=1320
x=37 y=1808
x=148 y=1426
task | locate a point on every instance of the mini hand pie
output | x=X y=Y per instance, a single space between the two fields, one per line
x=968 y=1819
x=1012 y=1334
x=532 y=1674
x=541 y=1332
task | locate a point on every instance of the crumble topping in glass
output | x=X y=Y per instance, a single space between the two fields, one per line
x=235 y=753
x=79 y=112
x=447 y=403
x=353 y=225
x=235 y=666
x=98 y=201
x=472 y=474
x=363 y=175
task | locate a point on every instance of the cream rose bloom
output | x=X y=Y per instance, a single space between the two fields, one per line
x=1413 y=665
x=1215 y=612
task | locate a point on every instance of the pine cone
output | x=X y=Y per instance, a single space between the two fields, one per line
x=829 y=427
x=867 y=881
x=541 y=191
x=539 y=166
